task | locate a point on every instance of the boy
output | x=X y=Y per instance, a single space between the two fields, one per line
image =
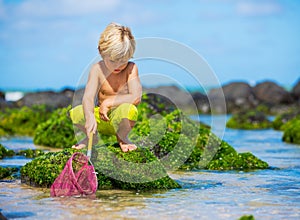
x=116 y=83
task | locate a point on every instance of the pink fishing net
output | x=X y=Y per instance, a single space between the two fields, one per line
x=77 y=178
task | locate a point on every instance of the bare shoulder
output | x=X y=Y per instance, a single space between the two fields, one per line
x=96 y=68
x=96 y=71
x=133 y=69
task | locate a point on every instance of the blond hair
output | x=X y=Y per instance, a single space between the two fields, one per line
x=117 y=42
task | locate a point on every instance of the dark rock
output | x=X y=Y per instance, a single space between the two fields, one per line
x=270 y=93
x=68 y=92
x=217 y=101
x=201 y=102
x=2 y=95
x=179 y=98
x=237 y=91
x=48 y=98
x=238 y=96
x=5 y=104
x=2 y=217
x=296 y=91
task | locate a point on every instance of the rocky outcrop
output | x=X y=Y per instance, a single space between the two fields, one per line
x=169 y=142
x=296 y=91
x=238 y=96
x=201 y=102
x=178 y=97
x=48 y=98
x=230 y=98
x=2 y=95
x=3 y=103
x=270 y=93
x=291 y=132
x=249 y=120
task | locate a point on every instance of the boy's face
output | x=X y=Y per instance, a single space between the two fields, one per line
x=114 y=67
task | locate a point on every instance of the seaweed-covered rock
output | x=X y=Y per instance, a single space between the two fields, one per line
x=7 y=172
x=247 y=217
x=249 y=120
x=138 y=169
x=282 y=119
x=22 y=121
x=291 y=132
x=165 y=140
x=47 y=98
x=57 y=131
x=182 y=143
x=114 y=168
x=5 y=152
x=31 y=153
x=43 y=170
x=227 y=158
x=271 y=93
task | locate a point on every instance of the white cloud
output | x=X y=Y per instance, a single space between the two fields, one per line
x=258 y=8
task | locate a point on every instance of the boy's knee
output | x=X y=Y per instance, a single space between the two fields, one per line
x=77 y=115
x=128 y=111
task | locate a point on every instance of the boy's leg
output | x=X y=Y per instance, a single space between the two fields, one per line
x=125 y=127
x=123 y=119
x=77 y=116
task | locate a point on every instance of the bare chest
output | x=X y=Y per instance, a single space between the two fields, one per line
x=115 y=84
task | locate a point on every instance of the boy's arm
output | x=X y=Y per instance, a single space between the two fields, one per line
x=134 y=91
x=88 y=100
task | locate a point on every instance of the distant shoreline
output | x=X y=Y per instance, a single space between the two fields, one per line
x=230 y=97
x=288 y=87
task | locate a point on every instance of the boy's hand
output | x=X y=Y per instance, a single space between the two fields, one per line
x=103 y=110
x=91 y=126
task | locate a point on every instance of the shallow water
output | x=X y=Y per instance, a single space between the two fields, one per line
x=266 y=194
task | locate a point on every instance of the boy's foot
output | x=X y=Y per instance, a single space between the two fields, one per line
x=127 y=147
x=82 y=144
x=78 y=146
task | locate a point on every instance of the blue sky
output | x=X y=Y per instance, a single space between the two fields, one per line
x=49 y=43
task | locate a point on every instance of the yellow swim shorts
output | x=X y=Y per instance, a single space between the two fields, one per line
x=125 y=110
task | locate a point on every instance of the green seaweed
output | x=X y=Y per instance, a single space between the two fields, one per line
x=249 y=120
x=22 y=121
x=5 y=152
x=57 y=131
x=43 y=170
x=138 y=170
x=247 y=217
x=291 y=132
x=7 y=172
x=31 y=153
x=280 y=120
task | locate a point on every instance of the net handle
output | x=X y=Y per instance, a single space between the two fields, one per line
x=90 y=143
